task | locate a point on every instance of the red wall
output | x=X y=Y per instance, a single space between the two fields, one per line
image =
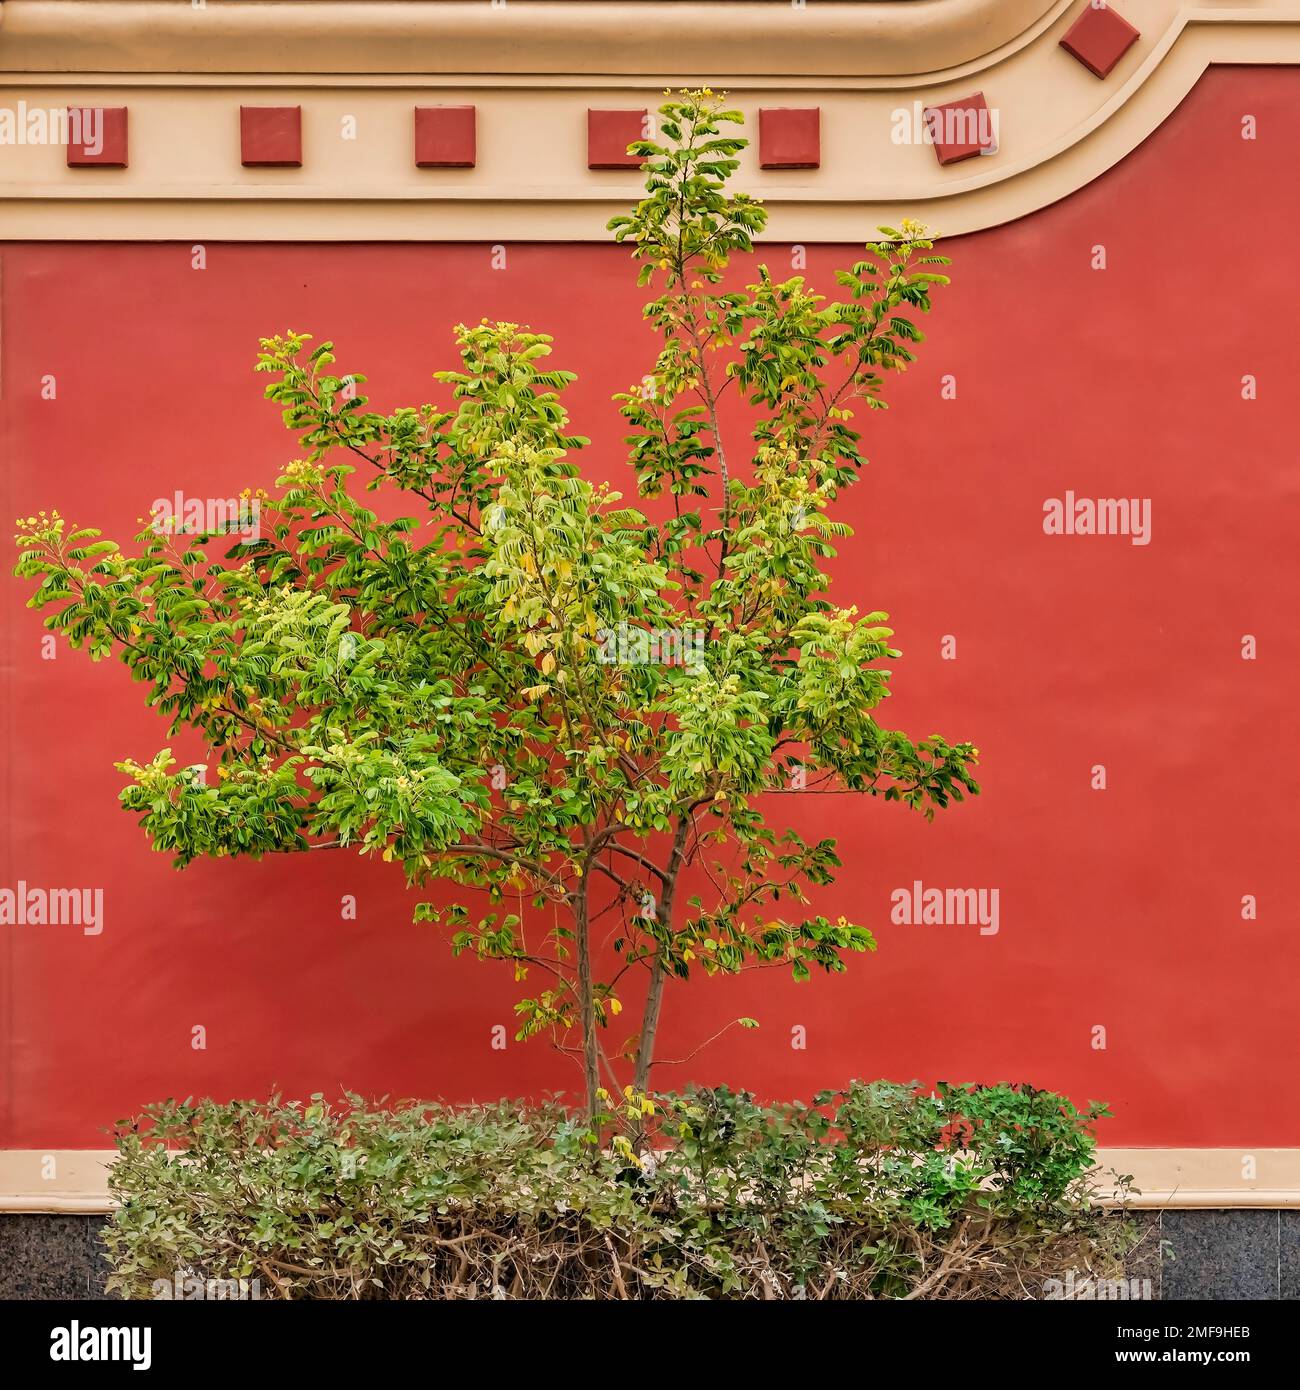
x=1119 y=907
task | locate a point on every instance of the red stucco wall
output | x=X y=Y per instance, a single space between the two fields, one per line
x=1119 y=908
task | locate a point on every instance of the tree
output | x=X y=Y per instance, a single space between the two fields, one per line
x=532 y=689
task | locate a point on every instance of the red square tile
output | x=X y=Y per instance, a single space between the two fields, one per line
x=270 y=136
x=445 y=137
x=960 y=129
x=790 y=137
x=609 y=133
x=1099 y=38
x=97 y=137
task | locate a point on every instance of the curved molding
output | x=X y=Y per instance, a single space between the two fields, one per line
x=864 y=65
x=729 y=37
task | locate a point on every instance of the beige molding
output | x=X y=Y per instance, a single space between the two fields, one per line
x=723 y=37
x=1189 y=1178
x=69 y=1181
x=1059 y=126
x=76 y=1180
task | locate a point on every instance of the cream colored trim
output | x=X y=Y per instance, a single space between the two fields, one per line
x=1183 y=1178
x=1060 y=127
x=726 y=37
x=1175 y=1178
x=55 y=1180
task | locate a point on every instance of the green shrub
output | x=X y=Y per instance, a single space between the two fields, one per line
x=880 y=1191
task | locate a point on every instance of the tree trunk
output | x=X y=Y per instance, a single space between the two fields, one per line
x=649 y=1026
x=586 y=1000
x=654 y=1002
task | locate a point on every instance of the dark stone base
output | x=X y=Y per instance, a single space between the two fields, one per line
x=1231 y=1254
x=1211 y=1255
x=52 y=1257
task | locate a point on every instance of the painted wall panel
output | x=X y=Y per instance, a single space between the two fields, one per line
x=1119 y=908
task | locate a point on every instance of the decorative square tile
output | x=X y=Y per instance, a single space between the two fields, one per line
x=609 y=133
x=270 y=136
x=97 y=137
x=1099 y=38
x=960 y=129
x=445 y=137
x=790 y=137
